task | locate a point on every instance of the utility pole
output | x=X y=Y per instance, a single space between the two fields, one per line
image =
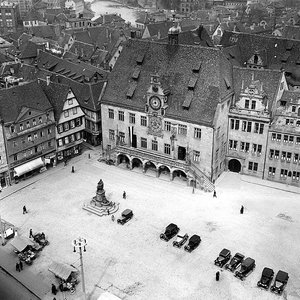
x=81 y=243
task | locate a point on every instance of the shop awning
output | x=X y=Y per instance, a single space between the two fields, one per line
x=29 y=166
x=60 y=270
x=21 y=242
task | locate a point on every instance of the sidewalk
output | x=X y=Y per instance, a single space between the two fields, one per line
x=26 y=278
x=271 y=184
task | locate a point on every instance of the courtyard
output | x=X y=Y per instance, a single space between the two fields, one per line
x=131 y=261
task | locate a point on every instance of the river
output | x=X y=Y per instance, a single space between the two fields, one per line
x=102 y=7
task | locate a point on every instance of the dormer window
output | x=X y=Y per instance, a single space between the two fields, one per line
x=255 y=59
x=197 y=67
x=192 y=83
x=253 y=104
x=247 y=102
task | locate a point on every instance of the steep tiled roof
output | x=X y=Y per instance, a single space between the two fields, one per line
x=160 y=28
x=82 y=50
x=46 y=31
x=27 y=95
x=291 y=32
x=56 y=94
x=269 y=81
x=81 y=71
x=174 y=64
x=272 y=48
x=290 y=96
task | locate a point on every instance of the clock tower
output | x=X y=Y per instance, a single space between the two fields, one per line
x=155 y=106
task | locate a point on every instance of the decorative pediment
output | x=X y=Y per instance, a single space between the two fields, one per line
x=27 y=113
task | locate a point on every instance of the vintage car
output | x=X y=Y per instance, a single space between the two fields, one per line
x=126 y=215
x=40 y=239
x=280 y=282
x=266 y=278
x=193 y=243
x=170 y=232
x=181 y=239
x=223 y=258
x=247 y=266
x=235 y=262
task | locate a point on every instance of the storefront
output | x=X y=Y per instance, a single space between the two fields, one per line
x=69 y=153
x=28 y=168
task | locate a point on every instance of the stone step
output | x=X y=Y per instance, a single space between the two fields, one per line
x=101 y=211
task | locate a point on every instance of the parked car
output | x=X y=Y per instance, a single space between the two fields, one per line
x=235 y=262
x=170 y=232
x=193 y=243
x=280 y=282
x=266 y=278
x=181 y=239
x=247 y=266
x=223 y=258
x=126 y=215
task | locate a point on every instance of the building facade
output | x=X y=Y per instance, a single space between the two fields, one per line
x=257 y=94
x=283 y=151
x=29 y=129
x=9 y=17
x=170 y=120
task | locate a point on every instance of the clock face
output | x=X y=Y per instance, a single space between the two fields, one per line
x=155 y=123
x=155 y=103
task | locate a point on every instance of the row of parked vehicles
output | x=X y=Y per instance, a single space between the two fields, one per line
x=244 y=266
x=172 y=229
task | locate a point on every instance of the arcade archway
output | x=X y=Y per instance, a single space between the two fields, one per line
x=234 y=166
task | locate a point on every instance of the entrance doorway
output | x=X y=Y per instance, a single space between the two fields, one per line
x=234 y=166
x=181 y=153
x=134 y=140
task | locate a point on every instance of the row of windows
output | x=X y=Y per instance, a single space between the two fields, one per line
x=252 y=166
x=34 y=150
x=247 y=126
x=284 y=155
x=67 y=112
x=29 y=124
x=286 y=138
x=182 y=129
x=32 y=137
x=154 y=144
x=284 y=173
x=69 y=139
x=291 y=122
x=69 y=125
x=245 y=147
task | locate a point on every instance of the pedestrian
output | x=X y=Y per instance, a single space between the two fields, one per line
x=65 y=162
x=215 y=194
x=89 y=155
x=24 y=210
x=218 y=276
x=17 y=267
x=113 y=218
x=53 y=289
x=21 y=265
x=124 y=195
x=242 y=210
x=30 y=233
x=73 y=170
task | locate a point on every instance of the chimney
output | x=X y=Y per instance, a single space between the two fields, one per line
x=48 y=80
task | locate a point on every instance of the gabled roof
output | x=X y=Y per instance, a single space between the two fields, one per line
x=269 y=81
x=291 y=32
x=56 y=94
x=13 y=99
x=174 y=64
x=55 y=64
x=45 y=31
x=272 y=47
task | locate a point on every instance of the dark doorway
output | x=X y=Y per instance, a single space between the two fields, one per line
x=234 y=166
x=133 y=141
x=181 y=153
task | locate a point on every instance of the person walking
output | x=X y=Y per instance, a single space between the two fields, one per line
x=73 y=169
x=21 y=265
x=24 y=210
x=215 y=194
x=17 y=267
x=124 y=195
x=53 y=289
x=30 y=233
x=242 y=210
x=218 y=276
x=113 y=218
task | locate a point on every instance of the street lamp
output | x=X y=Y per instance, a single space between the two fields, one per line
x=80 y=243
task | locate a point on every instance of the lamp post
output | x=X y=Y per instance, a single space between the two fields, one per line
x=80 y=243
